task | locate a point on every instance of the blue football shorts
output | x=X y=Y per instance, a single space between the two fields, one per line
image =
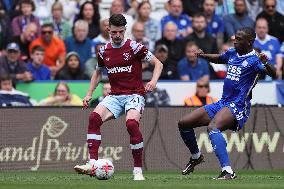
x=240 y=114
x=119 y=104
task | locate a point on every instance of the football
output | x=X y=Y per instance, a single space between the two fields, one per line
x=104 y=169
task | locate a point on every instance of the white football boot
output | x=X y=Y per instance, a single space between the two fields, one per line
x=138 y=175
x=87 y=169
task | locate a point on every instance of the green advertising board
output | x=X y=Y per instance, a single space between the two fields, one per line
x=41 y=90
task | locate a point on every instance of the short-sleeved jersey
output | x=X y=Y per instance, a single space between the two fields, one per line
x=242 y=75
x=124 y=66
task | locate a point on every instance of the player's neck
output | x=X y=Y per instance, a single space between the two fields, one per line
x=245 y=51
x=118 y=45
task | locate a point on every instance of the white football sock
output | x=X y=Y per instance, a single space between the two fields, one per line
x=196 y=156
x=228 y=169
x=137 y=170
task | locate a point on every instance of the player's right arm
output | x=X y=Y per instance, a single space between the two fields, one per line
x=214 y=58
x=96 y=77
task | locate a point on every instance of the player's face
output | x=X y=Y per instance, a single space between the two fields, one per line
x=117 y=34
x=6 y=85
x=240 y=42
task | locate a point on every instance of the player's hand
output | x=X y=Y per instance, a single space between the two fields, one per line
x=198 y=52
x=263 y=58
x=86 y=101
x=150 y=86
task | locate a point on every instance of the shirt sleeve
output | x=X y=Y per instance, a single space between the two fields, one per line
x=259 y=68
x=226 y=55
x=140 y=51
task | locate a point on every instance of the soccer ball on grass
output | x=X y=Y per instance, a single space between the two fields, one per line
x=104 y=169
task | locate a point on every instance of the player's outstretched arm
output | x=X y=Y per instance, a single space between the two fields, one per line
x=96 y=77
x=269 y=69
x=151 y=85
x=214 y=58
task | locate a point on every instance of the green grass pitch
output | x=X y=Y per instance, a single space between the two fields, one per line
x=154 y=180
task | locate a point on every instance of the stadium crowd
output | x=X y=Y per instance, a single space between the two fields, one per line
x=59 y=39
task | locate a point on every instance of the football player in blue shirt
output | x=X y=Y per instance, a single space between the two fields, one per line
x=232 y=111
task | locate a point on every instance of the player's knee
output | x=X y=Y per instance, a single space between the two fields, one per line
x=95 y=118
x=181 y=124
x=132 y=126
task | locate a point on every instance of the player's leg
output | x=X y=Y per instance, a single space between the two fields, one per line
x=222 y=121
x=134 y=108
x=109 y=108
x=197 y=118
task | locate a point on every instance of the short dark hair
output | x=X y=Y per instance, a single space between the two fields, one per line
x=249 y=32
x=117 y=20
x=37 y=48
x=5 y=77
x=47 y=25
x=29 y=2
x=199 y=14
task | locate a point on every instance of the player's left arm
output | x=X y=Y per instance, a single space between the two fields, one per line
x=268 y=68
x=158 y=67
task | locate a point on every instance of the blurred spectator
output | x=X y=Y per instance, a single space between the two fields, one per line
x=106 y=92
x=181 y=20
x=191 y=7
x=92 y=62
x=11 y=65
x=254 y=7
x=238 y=20
x=20 y=22
x=274 y=18
x=152 y=27
x=62 y=97
x=71 y=9
x=9 y=96
x=191 y=67
x=5 y=29
x=54 y=48
x=103 y=37
x=90 y=13
x=62 y=27
x=225 y=7
x=11 y=8
x=215 y=24
x=268 y=45
x=117 y=7
x=79 y=42
x=72 y=69
x=219 y=71
x=43 y=9
x=24 y=40
x=36 y=67
x=175 y=46
x=169 y=67
x=280 y=6
x=158 y=97
x=131 y=7
x=139 y=35
x=203 y=39
x=201 y=96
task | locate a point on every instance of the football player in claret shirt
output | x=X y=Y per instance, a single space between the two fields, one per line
x=232 y=111
x=122 y=59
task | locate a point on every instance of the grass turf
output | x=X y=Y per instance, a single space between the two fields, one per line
x=154 y=180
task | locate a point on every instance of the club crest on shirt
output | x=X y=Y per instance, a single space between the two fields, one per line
x=126 y=56
x=245 y=63
x=107 y=59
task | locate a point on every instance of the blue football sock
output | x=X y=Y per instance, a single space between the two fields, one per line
x=219 y=145
x=189 y=138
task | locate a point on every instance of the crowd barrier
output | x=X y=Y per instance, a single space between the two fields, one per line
x=55 y=139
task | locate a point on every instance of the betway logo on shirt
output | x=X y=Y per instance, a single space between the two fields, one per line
x=119 y=69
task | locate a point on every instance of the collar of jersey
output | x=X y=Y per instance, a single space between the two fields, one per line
x=248 y=54
x=118 y=46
